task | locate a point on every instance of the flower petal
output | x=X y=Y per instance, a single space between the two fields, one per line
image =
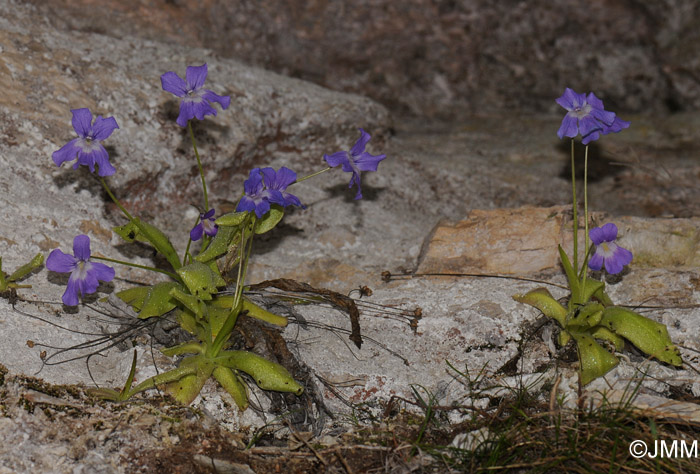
x=606 y=118
x=254 y=184
x=356 y=180
x=587 y=125
x=269 y=177
x=617 y=126
x=594 y=135
x=202 y=109
x=596 y=261
x=85 y=281
x=275 y=197
x=337 y=158
x=568 y=128
x=246 y=204
x=82 y=121
x=209 y=214
x=261 y=208
x=597 y=236
x=81 y=247
x=613 y=266
x=68 y=152
x=609 y=232
x=61 y=262
x=100 y=271
x=360 y=144
x=367 y=162
x=571 y=100
x=102 y=159
x=623 y=256
x=197 y=232
x=186 y=113
x=195 y=76
x=223 y=100
x=291 y=200
x=174 y=84
x=70 y=296
x=210 y=228
x=103 y=127
x=283 y=178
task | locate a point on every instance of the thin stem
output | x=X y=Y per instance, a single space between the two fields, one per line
x=585 y=210
x=312 y=175
x=227 y=327
x=135 y=265
x=189 y=242
x=115 y=200
x=573 y=189
x=199 y=164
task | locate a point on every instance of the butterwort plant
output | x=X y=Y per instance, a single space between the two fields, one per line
x=192 y=284
x=590 y=317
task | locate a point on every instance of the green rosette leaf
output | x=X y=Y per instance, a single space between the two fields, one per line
x=594 y=359
x=25 y=269
x=184 y=348
x=255 y=311
x=186 y=389
x=648 y=336
x=158 y=300
x=188 y=322
x=564 y=337
x=267 y=375
x=134 y=297
x=191 y=302
x=593 y=287
x=219 y=244
x=602 y=333
x=543 y=300
x=269 y=220
x=200 y=280
x=232 y=219
x=586 y=317
x=233 y=385
x=574 y=283
x=145 y=232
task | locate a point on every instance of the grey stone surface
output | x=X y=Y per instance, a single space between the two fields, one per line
x=434 y=171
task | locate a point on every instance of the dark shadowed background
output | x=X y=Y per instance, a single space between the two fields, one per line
x=441 y=59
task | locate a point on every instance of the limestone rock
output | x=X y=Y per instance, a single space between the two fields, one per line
x=524 y=242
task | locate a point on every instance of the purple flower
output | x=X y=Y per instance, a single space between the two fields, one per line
x=206 y=226
x=87 y=146
x=356 y=160
x=278 y=181
x=607 y=251
x=587 y=115
x=265 y=187
x=196 y=102
x=84 y=273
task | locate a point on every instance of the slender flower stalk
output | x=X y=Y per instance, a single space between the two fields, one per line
x=575 y=209
x=199 y=165
x=312 y=175
x=115 y=200
x=135 y=265
x=585 y=214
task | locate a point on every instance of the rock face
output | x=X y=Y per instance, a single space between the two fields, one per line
x=524 y=242
x=446 y=58
x=476 y=174
x=46 y=75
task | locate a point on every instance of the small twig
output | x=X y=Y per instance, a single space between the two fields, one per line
x=553 y=395
x=342 y=461
x=306 y=443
